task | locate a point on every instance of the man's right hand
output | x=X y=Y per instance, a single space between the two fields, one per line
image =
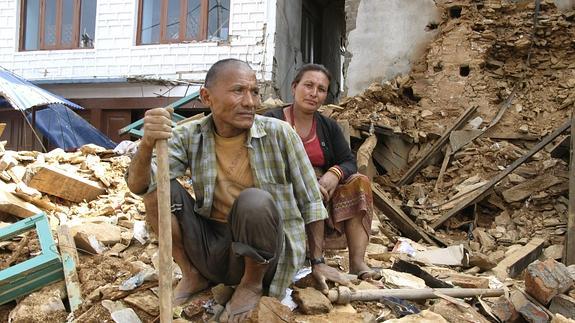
x=157 y=125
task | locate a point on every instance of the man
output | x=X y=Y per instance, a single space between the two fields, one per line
x=255 y=190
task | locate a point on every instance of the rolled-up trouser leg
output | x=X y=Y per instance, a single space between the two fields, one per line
x=257 y=233
x=216 y=250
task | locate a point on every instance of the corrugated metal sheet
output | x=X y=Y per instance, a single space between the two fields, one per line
x=23 y=95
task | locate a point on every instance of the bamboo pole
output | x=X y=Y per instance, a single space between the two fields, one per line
x=569 y=258
x=165 y=234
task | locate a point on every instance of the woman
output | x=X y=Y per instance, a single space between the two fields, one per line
x=347 y=194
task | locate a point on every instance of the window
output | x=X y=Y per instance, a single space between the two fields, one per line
x=176 y=21
x=57 y=24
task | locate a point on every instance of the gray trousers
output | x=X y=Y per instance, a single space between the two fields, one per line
x=216 y=249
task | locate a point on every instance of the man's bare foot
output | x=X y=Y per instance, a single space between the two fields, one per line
x=190 y=284
x=363 y=271
x=240 y=306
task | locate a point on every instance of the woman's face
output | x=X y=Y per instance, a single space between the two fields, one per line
x=311 y=91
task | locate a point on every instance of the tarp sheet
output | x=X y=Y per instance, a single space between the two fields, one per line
x=24 y=95
x=66 y=129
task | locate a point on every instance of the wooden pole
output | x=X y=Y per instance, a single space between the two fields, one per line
x=343 y=295
x=165 y=234
x=569 y=258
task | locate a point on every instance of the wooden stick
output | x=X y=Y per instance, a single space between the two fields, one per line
x=69 y=261
x=439 y=182
x=165 y=234
x=569 y=257
x=343 y=295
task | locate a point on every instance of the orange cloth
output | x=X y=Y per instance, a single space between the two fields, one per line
x=234 y=173
x=350 y=199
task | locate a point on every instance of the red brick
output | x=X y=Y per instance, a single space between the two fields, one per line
x=545 y=279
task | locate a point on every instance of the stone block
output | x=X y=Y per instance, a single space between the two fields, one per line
x=545 y=279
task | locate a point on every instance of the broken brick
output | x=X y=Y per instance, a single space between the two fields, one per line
x=545 y=279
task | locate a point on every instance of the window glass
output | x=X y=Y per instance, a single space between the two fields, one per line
x=193 y=17
x=50 y=23
x=87 y=23
x=173 y=27
x=151 y=10
x=67 y=33
x=218 y=19
x=31 y=27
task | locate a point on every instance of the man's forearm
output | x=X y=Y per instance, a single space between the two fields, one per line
x=314 y=231
x=139 y=170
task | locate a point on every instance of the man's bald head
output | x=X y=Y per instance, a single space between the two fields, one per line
x=220 y=67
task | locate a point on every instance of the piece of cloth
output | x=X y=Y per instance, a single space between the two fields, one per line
x=216 y=249
x=335 y=148
x=234 y=173
x=350 y=199
x=279 y=166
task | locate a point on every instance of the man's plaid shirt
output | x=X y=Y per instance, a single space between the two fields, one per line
x=279 y=165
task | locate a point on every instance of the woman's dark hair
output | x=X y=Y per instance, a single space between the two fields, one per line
x=313 y=68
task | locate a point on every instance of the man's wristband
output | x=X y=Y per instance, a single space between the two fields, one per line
x=317 y=261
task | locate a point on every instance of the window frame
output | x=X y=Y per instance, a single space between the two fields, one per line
x=203 y=32
x=75 y=44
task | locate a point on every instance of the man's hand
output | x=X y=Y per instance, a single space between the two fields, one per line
x=157 y=125
x=322 y=273
x=328 y=182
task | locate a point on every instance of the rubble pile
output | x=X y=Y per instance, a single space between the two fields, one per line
x=515 y=63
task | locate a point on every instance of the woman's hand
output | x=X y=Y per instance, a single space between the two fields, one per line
x=328 y=182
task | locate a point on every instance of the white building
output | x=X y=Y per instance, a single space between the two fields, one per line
x=119 y=57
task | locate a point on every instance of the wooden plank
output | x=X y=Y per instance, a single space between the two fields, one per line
x=392 y=153
x=72 y=187
x=69 y=261
x=514 y=264
x=484 y=190
x=13 y=205
x=405 y=225
x=569 y=249
x=415 y=168
x=446 y=157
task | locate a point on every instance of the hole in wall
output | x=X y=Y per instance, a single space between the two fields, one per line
x=431 y=26
x=455 y=12
x=408 y=93
x=464 y=70
x=438 y=67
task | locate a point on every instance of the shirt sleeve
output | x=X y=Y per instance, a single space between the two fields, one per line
x=305 y=184
x=344 y=158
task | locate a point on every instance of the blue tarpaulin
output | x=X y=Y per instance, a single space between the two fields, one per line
x=53 y=118
x=66 y=129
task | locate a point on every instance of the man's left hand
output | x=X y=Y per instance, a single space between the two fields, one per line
x=329 y=182
x=322 y=273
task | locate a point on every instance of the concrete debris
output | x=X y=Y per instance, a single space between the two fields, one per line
x=546 y=279
x=311 y=301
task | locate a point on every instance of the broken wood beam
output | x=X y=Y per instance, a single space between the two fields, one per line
x=485 y=189
x=514 y=264
x=11 y=204
x=569 y=250
x=344 y=295
x=364 y=154
x=69 y=261
x=415 y=168
x=405 y=225
x=69 y=186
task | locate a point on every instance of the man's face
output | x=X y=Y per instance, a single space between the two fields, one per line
x=233 y=99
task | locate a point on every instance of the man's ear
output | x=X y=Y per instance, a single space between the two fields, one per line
x=205 y=96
